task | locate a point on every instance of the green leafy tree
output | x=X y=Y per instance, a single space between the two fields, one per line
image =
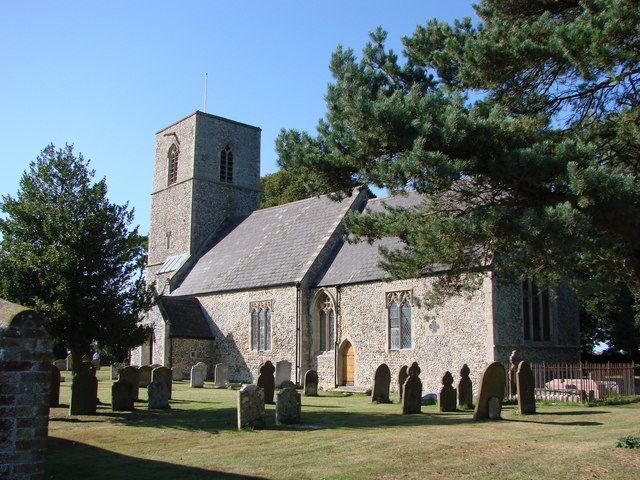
x=68 y=252
x=282 y=187
x=522 y=132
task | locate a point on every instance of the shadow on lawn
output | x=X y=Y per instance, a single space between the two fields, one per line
x=72 y=460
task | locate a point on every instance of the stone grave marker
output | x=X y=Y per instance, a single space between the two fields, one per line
x=158 y=395
x=162 y=374
x=266 y=381
x=526 y=389
x=251 y=407
x=61 y=364
x=54 y=395
x=288 y=404
x=130 y=375
x=114 y=368
x=447 y=395
x=69 y=360
x=381 y=384
x=176 y=373
x=221 y=375
x=122 y=396
x=513 y=368
x=144 y=376
x=492 y=385
x=403 y=373
x=311 y=383
x=412 y=391
x=283 y=372
x=465 y=388
x=198 y=375
x=84 y=393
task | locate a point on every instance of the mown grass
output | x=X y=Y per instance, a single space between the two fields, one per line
x=342 y=437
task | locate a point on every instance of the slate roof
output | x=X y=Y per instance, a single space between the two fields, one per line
x=186 y=317
x=269 y=247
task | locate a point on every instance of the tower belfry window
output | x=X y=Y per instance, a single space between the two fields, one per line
x=226 y=165
x=173 y=164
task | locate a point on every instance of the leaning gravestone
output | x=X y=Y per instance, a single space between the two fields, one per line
x=198 y=374
x=288 y=405
x=492 y=386
x=526 y=389
x=84 y=393
x=447 y=395
x=122 y=396
x=221 y=375
x=266 y=381
x=381 y=384
x=403 y=373
x=283 y=372
x=144 y=376
x=54 y=396
x=465 y=388
x=250 y=407
x=158 y=395
x=162 y=374
x=311 y=383
x=412 y=391
x=130 y=375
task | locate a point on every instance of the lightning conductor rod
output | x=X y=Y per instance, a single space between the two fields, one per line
x=206 y=77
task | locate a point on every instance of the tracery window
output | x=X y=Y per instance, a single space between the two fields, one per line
x=536 y=312
x=326 y=324
x=399 y=315
x=261 y=325
x=173 y=164
x=226 y=165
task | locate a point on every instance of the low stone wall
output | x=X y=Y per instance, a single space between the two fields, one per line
x=25 y=372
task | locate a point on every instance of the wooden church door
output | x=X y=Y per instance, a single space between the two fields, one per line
x=348 y=364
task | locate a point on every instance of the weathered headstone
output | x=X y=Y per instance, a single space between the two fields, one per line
x=250 y=407
x=54 y=394
x=283 y=372
x=61 y=364
x=162 y=374
x=266 y=381
x=412 y=391
x=221 y=375
x=526 y=389
x=84 y=393
x=130 y=375
x=513 y=368
x=144 y=376
x=492 y=385
x=403 y=373
x=311 y=383
x=158 y=395
x=69 y=362
x=465 y=388
x=198 y=374
x=122 y=399
x=447 y=396
x=494 y=408
x=114 y=368
x=288 y=405
x=176 y=373
x=381 y=384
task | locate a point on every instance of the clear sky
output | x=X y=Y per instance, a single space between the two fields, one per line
x=107 y=75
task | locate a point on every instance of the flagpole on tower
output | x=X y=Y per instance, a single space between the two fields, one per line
x=206 y=77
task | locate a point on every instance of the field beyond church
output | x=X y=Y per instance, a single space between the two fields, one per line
x=341 y=437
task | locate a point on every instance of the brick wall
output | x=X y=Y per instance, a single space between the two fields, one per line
x=25 y=358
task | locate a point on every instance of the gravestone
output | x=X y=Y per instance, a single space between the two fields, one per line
x=222 y=375
x=61 y=364
x=114 y=368
x=494 y=408
x=492 y=385
x=311 y=383
x=403 y=373
x=526 y=389
x=513 y=368
x=69 y=362
x=54 y=394
x=288 y=405
x=198 y=374
x=176 y=373
x=381 y=384
x=84 y=393
x=162 y=374
x=144 y=376
x=158 y=395
x=122 y=396
x=412 y=391
x=130 y=375
x=266 y=381
x=250 y=407
x=465 y=388
x=447 y=396
x=283 y=372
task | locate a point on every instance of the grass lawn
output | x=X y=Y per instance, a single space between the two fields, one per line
x=342 y=437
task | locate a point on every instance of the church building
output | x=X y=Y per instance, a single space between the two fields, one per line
x=241 y=285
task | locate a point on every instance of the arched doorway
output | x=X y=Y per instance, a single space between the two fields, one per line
x=348 y=363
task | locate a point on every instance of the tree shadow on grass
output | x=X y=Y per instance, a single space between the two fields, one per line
x=73 y=460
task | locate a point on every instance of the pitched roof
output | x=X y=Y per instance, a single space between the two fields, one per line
x=269 y=247
x=186 y=317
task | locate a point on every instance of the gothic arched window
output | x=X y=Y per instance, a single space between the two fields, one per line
x=260 y=326
x=399 y=308
x=173 y=164
x=326 y=321
x=226 y=165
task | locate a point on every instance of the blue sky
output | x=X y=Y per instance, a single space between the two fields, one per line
x=105 y=76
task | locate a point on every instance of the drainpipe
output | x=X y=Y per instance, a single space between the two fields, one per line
x=298 y=331
x=338 y=334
